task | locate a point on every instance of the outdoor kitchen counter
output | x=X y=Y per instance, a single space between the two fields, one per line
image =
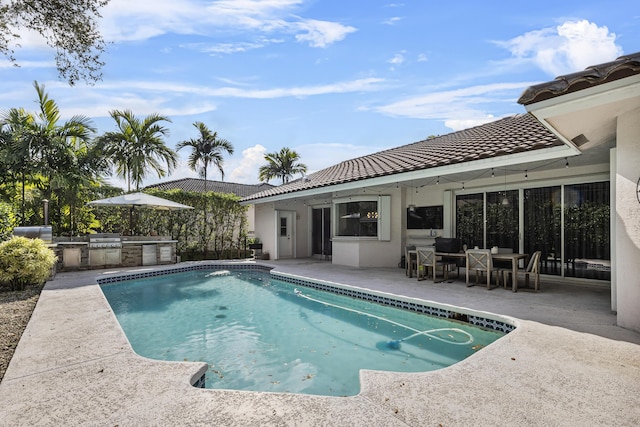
x=100 y=251
x=146 y=242
x=148 y=250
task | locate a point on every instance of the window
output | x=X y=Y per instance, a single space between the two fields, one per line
x=502 y=219
x=425 y=218
x=542 y=226
x=470 y=219
x=358 y=219
x=492 y=219
x=586 y=230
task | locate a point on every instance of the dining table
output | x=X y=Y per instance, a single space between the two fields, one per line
x=500 y=256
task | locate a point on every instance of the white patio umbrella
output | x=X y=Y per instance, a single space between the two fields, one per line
x=139 y=200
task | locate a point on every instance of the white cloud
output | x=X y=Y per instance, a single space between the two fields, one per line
x=397 y=59
x=169 y=98
x=27 y=64
x=392 y=21
x=229 y=48
x=249 y=18
x=570 y=47
x=422 y=57
x=358 y=85
x=322 y=33
x=457 y=108
x=246 y=169
x=457 y=125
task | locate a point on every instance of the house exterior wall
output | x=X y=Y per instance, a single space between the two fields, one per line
x=302 y=232
x=627 y=219
x=266 y=230
x=370 y=252
x=251 y=219
x=265 y=227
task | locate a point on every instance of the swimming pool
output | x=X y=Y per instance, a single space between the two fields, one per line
x=268 y=333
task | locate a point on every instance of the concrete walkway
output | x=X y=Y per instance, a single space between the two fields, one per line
x=565 y=364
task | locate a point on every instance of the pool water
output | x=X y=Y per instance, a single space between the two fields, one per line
x=261 y=334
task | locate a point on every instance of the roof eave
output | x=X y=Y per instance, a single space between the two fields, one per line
x=543 y=154
x=550 y=110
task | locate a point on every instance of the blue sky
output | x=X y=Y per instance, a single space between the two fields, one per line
x=330 y=79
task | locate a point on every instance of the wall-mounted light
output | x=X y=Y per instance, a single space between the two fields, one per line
x=566 y=162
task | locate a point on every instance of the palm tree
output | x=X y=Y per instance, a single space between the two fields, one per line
x=206 y=150
x=138 y=147
x=281 y=165
x=43 y=150
x=15 y=150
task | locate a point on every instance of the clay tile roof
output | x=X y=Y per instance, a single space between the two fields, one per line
x=622 y=67
x=197 y=185
x=509 y=135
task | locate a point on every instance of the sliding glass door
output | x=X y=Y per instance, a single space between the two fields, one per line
x=569 y=224
x=543 y=226
x=586 y=231
x=321 y=232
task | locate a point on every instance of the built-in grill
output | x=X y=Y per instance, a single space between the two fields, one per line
x=105 y=250
x=43 y=232
x=105 y=242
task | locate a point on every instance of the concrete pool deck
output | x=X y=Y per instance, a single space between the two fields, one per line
x=565 y=364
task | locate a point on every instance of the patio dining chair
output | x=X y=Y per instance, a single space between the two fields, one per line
x=479 y=261
x=410 y=261
x=533 y=269
x=428 y=262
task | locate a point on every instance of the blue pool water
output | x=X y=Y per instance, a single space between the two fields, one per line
x=258 y=333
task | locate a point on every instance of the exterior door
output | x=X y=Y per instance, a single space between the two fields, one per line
x=285 y=234
x=321 y=232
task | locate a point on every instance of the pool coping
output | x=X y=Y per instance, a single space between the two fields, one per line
x=87 y=373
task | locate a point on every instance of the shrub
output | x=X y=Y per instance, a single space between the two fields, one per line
x=25 y=262
x=7 y=221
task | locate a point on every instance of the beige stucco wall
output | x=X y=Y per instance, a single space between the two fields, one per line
x=627 y=239
x=265 y=226
x=370 y=252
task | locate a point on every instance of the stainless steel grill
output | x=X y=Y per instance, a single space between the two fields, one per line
x=104 y=242
x=43 y=232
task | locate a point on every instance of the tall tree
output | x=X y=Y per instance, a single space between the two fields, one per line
x=283 y=165
x=206 y=150
x=43 y=150
x=138 y=147
x=15 y=150
x=70 y=27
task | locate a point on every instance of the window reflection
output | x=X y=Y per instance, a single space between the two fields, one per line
x=358 y=219
x=586 y=226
